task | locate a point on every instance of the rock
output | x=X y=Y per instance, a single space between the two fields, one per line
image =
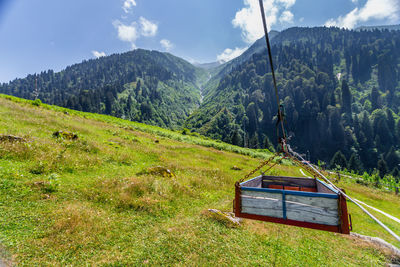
x=227 y=218
x=159 y=171
x=65 y=135
x=236 y=168
x=11 y=138
x=379 y=243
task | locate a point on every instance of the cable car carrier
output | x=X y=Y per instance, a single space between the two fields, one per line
x=304 y=202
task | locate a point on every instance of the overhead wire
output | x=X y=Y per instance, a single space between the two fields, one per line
x=287 y=149
x=280 y=115
x=290 y=151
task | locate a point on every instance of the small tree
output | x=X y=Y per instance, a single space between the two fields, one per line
x=396 y=174
x=236 y=139
x=254 y=141
x=338 y=160
x=382 y=168
x=355 y=163
x=268 y=144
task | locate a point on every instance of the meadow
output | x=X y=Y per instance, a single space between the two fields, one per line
x=125 y=193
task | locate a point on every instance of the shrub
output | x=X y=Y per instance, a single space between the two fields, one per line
x=37 y=102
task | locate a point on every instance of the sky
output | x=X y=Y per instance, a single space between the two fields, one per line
x=37 y=35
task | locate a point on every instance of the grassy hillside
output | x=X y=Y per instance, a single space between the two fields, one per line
x=141 y=85
x=96 y=200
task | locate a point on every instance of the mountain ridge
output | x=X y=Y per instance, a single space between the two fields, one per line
x=126 y=85
x=237 y=104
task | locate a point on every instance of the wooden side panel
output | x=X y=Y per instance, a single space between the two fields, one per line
x=322 y=188
x=287 y=181
x=276 y=213
x=315 y=210
x=306 y=213
x=262 y=203
x=327 y=203
x=255 y=182
x=266 y=195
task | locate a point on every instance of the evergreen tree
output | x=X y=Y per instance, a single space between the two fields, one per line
x=396 y=174
x=397 y=131
x=382 y=168
x=236 y=138
x=268 y=144
x=251 y=113
x=355 y=164
x=338 y=160
x=254 y=142
x=346 y=97
x=392 y=159
x=374 y=97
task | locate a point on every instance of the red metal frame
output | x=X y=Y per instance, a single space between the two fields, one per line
x=343 y=228
x=344 y=216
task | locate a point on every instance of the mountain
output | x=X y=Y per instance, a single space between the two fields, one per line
x=207 y=66
x=147 y=86
x=257 y=47
x=380 y=28
x=340 y=90
x=222 y=70
x=128 y=194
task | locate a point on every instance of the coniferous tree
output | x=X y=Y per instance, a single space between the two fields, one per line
x=254 y=142
x=236 y=138
x=392 y=159
x=355 y=163
x=382 y=168
x=396 y=174
x=346 y=97
x=374 y=97
x=338 y=160
x=397 y=131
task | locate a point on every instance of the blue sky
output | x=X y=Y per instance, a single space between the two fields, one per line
x=37 y=35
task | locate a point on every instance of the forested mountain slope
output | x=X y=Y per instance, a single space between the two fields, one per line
x=147 y=86
x=340 y=90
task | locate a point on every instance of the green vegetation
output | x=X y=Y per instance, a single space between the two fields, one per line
x=123 y=193
x=340 y=91
x=146 y=86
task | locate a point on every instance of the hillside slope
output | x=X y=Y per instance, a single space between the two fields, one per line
x=340 y=91
x=141 y=85
x=96 y=200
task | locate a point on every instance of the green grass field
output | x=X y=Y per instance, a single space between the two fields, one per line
x=96 y=200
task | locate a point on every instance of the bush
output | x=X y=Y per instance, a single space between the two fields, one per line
x=37 y=102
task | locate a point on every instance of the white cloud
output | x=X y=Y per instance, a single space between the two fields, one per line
x=128 y=5
x=230 y=54
x=166 y=44
x=248 y=19
x=286 y=17
x=354 y=1
x=98 y=54
x=287 y=3
x=127 y=33
x=148 y=28
x=373 y=9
